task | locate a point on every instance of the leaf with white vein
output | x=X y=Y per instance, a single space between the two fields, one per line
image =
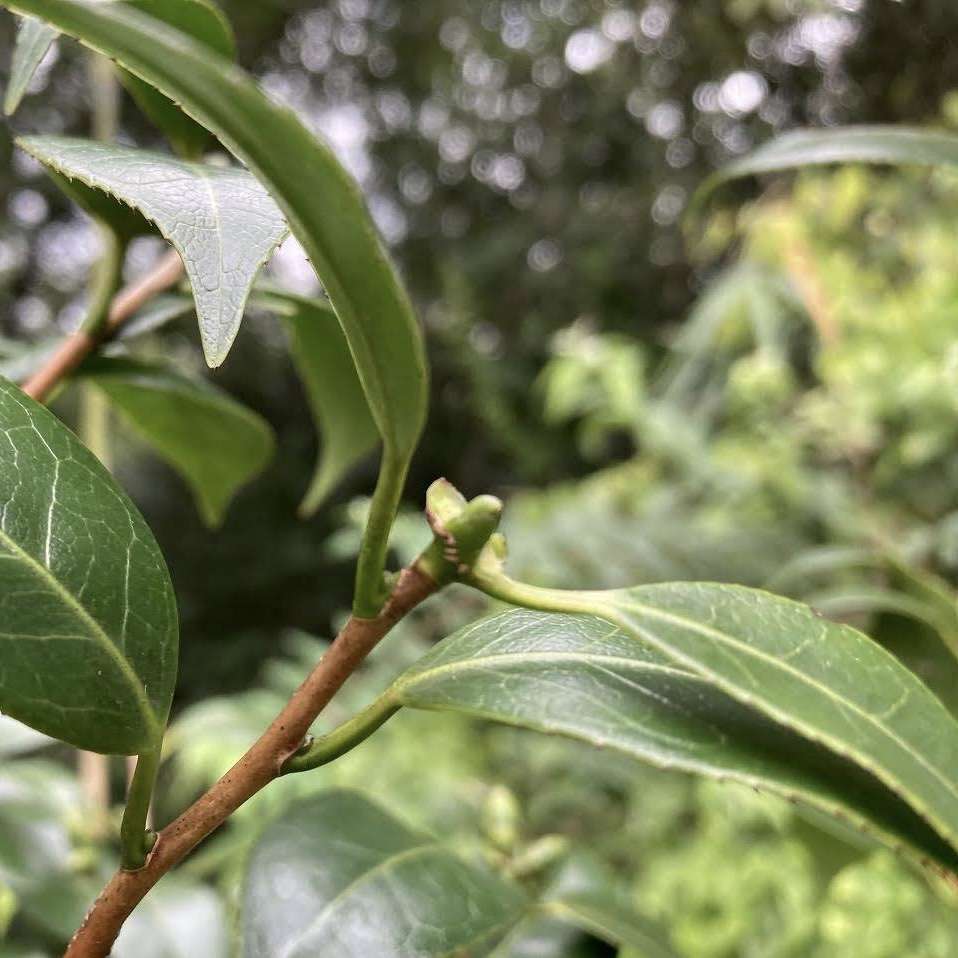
x=88 y=624
x=581 y=677
x=34 y=39
x=221 y=221
x=338 y=875
x=828 y=682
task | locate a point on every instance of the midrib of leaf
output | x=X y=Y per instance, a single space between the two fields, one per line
x=480 y=662
x=378 y=869
x=627 y=603
x=94 y=627
x=208 y=183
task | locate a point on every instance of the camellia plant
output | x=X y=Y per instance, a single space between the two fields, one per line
x=718 y=680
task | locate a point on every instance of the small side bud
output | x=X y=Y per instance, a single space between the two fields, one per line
x=444 y=502
x=462 y=530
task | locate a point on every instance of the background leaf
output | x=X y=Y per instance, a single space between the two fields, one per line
x=585 y=894
x=89 y=618
x=221 y=221
x=577 y=676
x=199 y=19
x=324 y=207
x=34 y=39
x=346 y=427
x=899 y=145
x=338 y=875
x=215 y=443
x=180 y=920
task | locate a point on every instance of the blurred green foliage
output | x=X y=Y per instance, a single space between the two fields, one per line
x=768 y=399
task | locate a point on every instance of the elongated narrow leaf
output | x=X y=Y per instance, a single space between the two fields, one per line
x=216 y=444
x=221 y=221
x=207 y=25
x=578 y=676
x=894 y=145
x=34 y=39
x=346 y=428
x=338 y=875
x=87 y=613
x=322 y=203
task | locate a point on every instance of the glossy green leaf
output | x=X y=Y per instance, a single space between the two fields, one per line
x=827 y=682
x=215 y=443
x=347 y=431
x=221 y=221
x=34 y=39
x=205 y=23
x=338 y=875
x=579 y=676
x=895 y=145
x=89 y=618
x=324 y=208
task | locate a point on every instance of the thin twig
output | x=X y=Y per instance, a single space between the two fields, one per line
x=76 y=347
x=256 y=769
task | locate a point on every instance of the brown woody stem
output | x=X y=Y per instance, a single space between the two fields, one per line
x=76 y=347
x=256 y=769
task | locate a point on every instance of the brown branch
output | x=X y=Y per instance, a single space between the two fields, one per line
x=256 y=769
x=76 y=347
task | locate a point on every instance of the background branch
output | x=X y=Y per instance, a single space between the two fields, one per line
x=76 y=347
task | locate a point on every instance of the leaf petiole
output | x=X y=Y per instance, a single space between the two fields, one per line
x=134 y=839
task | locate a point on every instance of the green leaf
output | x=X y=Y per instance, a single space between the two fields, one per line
x=156 y=314
x=34 y=39
x=347 y=431
x=586 y=895
x=215 y=443
x=88 y=612
x=207 y=25
x=180 y=919
x=221 y=221
x=828 y=682
x=19 y=360
x=895 y=145
x=577 y=676
x=338 y=875
x=324 y=208
x=199 y=19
